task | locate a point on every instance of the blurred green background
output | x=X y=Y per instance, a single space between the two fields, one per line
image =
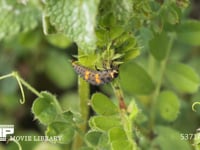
x=44 y=61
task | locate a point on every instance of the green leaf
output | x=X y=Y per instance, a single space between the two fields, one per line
x=122 y=144
x=103 y=105
x=68 y=116
x=116 y=31
x=133 y=110
x=59 y=70
x=30 y=40
x=134 y=79
x=44 y=108
x=46 y=145
x=171 y=15
x=102 y=35
x=17 y=18
x=131 y=54
x=59 y=40
x=86 y=148
x=196 y=141
x=183 y=77
x=62 y=129
x=103 y=123
x=93 y=137
x=70 y=101
x=97 y=140
x=157 y=24
x=183 y=3
x=123 y=10
x=168 y=105
x=189 y=32
x=117 y=134
x=104 y=142
x=76 y=19
x=146 y=35
x=169 y=138
x=159 y=46
x=127 y=45
x=130 y=49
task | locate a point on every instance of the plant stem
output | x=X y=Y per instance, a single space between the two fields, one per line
x=126 y=121
x=127 y=124
x=84 y=99
x=119 y=94
x=20 y=83
x=84 y=93
x=159 y=82
x=28 y=86
x=22 y=101
x=17 y=142
x=6 y=76
x=151 y=65
x=58 y=106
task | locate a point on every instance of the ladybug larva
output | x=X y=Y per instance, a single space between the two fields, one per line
x=95 y=77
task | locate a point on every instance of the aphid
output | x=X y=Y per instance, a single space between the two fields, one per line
x=95 y=77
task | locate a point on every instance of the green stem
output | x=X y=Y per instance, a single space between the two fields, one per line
x=126 y=121
x=119 y=94
x=28 y=86
x=84 y=93
x=127 y=124
x=15 y=141
x=20 y=83
x=128 y=127
x=22 y=101
x=6 y=76
x=151 y=65
x=57 y=105
x=159 y=83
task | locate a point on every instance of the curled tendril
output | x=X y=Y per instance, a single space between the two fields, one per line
x=194 y=105
x=22 y=101
x=21 y=82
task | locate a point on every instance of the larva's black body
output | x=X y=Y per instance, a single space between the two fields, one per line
x=95 y=77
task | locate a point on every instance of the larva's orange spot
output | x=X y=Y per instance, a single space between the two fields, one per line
x=95 y=77
x=98 y=81
x=87 y=73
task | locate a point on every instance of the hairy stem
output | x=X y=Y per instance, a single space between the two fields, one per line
x=126 y=121
x=84 y=93
x=119 y=94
